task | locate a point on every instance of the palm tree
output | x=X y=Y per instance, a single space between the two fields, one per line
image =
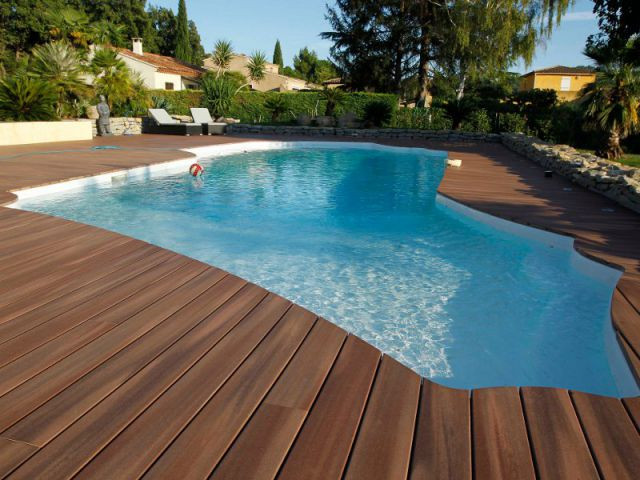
x=113 y=77
x=334 y=97
x=60 y=64
x=24 y=98
x=222 y=55
x=71 y=24
x=613 y=104
x=104 y=32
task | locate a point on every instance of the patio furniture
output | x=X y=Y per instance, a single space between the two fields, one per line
x=209 y=127
x=163 y=123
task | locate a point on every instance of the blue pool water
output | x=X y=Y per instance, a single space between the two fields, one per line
x=358 y=237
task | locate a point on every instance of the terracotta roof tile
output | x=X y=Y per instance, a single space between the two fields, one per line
x=562 y=70
x=166 y=64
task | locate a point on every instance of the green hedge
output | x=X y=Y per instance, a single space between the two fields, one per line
x=249 y=107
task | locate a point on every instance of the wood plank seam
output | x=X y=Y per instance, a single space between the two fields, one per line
x=158 y=355
x=362 y=415
x=626 y=409
x=150 y=405
x=85 y=345
x=313 y=404
x=532 y=451
x=266 y=393
x=594 y=457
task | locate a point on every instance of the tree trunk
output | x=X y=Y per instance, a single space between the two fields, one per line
x=424 y=99
x=461 y=85
x=397 y=67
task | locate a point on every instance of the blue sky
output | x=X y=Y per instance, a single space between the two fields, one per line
x=255 y=25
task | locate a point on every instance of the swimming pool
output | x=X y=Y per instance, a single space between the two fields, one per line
x=357 y=235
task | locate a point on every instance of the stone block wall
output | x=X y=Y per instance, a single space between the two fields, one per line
x=619 y=182
x=122 y=126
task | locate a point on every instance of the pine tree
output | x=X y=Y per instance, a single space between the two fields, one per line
x=183 y=45
x=277 y=56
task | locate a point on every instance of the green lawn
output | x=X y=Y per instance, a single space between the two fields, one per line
x=631 y=159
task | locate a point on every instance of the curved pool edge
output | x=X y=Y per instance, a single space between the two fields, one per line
x=590 y=266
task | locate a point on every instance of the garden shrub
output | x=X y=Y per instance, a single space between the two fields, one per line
x=217 y=94
x=512 y=123
x=422 y=118
x=377 y=114
x=249 y=106
x=477 y=121
x=24 y=98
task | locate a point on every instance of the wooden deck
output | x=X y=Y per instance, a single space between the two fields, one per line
x=119 y=359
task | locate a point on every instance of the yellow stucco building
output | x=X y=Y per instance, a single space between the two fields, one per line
x=567 y=81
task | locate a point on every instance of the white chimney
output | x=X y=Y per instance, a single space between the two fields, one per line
x=137 y=46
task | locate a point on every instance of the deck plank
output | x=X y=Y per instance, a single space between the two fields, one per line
x=70 y=451
x=187 y=284
x=94 y=269
x=268 y=436
x=500 y=443
x=633 y=408
x=382 y=448
x=612 y=436
x=322 y=447
x=39 y=360
x=194 y=453
x=626 y=319
x=51 y=328
x=559 y=446
x=12 y=454
x=442 y=448
x=48 y=420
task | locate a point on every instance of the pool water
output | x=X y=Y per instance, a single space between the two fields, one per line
x=357 y=236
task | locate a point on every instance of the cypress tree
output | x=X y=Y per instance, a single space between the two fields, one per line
x=183 y=45
x=277 y=56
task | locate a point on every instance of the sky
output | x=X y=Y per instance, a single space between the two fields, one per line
x=256 y=25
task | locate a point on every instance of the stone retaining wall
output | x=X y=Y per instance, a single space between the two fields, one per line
x=614 y=180
x=122 y=126
x=444 y=135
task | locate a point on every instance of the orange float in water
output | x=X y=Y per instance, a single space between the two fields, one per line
x=196 y=170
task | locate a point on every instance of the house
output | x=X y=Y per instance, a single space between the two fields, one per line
x=272 y=81
x=159 y=71
x=567 y=81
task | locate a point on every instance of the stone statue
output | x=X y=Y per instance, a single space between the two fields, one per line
x=104 y=127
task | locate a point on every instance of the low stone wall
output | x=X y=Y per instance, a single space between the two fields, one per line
x=372 y=133
x=614 y=180
x=122 y=126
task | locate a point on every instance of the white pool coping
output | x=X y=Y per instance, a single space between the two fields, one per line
x=587 y=266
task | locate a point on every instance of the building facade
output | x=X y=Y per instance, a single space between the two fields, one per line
x=566 y=81
x=159 y=71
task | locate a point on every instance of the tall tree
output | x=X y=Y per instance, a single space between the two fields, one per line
x=619 y=36
x=277 y=56
x=164 y=26
x=197 y=50
x=183 y=45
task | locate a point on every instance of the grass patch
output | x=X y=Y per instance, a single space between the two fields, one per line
x=630 y=159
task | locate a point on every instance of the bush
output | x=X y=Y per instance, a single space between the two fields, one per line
x=377 y=114
x=277 y=105
x=512 y=122
x=24 y=98
x=422 y=118
x=477 y=121
x=249 y=106
x=217 y=94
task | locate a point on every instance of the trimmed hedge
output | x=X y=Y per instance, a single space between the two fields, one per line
x=250 y=107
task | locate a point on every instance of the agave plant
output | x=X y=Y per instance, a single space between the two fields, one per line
x=257 y=66
x=112 y=76
x=59 y=64
x=222 y=55
x=613 y=104
x=217 y=94
x=23 y=98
